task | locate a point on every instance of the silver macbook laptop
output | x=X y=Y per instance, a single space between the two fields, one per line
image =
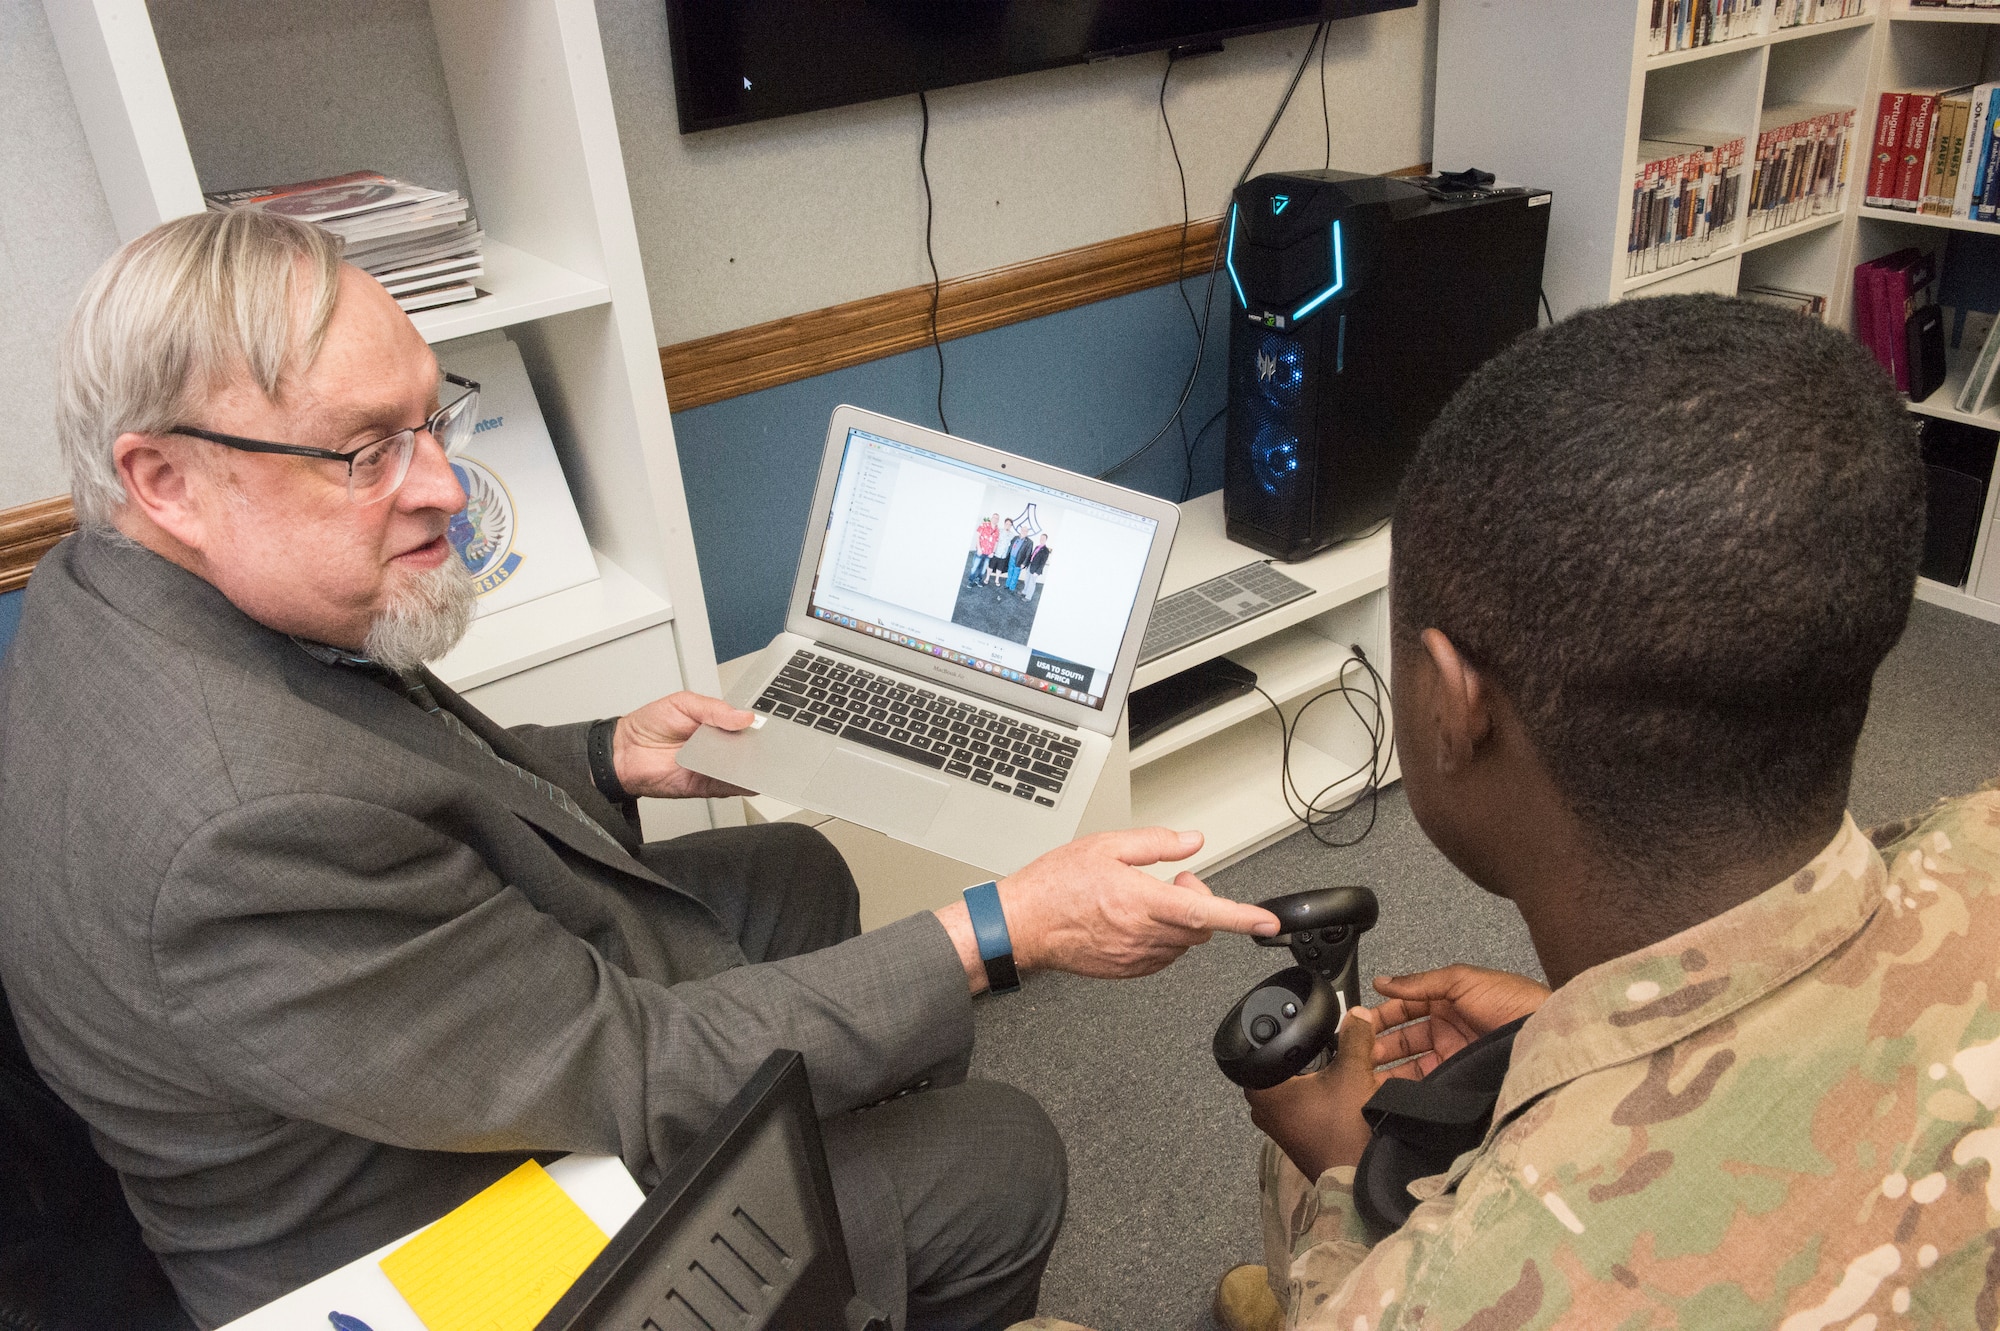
x=960 y=640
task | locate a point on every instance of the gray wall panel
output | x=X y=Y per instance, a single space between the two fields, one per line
x=54 y=231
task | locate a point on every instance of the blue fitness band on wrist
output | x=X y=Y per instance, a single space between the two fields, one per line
x=989 y=927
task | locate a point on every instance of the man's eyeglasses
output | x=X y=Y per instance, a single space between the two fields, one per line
x=376 y=470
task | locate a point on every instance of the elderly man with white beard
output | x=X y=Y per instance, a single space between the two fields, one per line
x=318 y=951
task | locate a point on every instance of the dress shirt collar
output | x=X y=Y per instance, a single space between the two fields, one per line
x=333 y=656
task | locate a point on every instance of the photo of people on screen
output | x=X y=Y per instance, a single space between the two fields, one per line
x=1006 y=561
x=954 y=561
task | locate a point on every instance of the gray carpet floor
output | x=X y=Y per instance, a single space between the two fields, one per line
x=1162 y=1193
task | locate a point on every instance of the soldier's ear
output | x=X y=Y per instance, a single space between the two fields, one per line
x=1462 y=704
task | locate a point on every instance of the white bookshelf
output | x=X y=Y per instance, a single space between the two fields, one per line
x=530 y=114
x=518 y=288
x=1556 y=93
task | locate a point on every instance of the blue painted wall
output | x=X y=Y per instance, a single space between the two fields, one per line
x=10 y=617
x=1078 y=389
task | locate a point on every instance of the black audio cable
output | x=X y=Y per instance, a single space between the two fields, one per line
x=937 y=286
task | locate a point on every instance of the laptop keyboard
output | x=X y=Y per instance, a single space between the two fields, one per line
x=1207 y=608
x=935 y=730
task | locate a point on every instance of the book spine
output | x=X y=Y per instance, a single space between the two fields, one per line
x=1961 y=126
x=1919 y=118
x=1974 y=155
x=1946 y=145
x=1888 y=139
x=1889 y=325
x=1864 y=308
x=1989 y=180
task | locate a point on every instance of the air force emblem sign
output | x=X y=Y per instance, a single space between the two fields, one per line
x=483 y=531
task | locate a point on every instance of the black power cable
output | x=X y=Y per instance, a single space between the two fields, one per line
x=1215 y=262
x=1375 y=723
x=937 y=287
x=1545 y=307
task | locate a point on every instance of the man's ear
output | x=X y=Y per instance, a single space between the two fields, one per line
x=1464 y=713
x=160 y=486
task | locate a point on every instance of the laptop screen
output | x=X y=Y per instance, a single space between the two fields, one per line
x=977 y=567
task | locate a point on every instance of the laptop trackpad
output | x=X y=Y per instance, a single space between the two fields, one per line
x=877 y=794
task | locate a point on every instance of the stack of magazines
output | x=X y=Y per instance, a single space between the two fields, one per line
x=421 y=244
x=1810 y=304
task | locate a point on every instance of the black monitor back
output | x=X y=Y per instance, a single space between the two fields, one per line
x=1359 y=304
x=742 y=1234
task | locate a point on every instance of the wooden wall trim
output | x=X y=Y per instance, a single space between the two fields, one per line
x=26 y=533
x=746 y=360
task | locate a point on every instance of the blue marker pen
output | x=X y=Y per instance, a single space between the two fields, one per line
x=345 y=1322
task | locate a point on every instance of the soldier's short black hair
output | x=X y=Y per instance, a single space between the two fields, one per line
x=1680 y=534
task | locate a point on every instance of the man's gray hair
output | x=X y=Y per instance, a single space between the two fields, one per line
x=175 y=315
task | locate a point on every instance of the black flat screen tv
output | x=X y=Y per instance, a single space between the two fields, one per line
x=742 y=60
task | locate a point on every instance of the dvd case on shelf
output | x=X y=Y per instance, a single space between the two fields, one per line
x=1686 y=188
x=1801 y=169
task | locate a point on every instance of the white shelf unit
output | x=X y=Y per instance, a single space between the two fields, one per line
x=1556 y=94
x=1219 y=772
x=1915 y=48
x=530 y=114
x=1559 y=93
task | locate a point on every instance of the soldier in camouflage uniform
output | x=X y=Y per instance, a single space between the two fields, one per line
x=1782 y=1117
x=1645 y=567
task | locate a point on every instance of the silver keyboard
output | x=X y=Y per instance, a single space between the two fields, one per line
x=1208 y=608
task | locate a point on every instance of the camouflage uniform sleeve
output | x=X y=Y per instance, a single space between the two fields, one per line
x=1304 y=1218
x=1464 y=1253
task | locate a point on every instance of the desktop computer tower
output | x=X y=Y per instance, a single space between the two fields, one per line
x=1360 y=304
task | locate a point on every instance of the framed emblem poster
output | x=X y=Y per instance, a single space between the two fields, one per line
x=518 y=535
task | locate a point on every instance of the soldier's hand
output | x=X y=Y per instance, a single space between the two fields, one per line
x=1451 y=1007
x=1316 y=1119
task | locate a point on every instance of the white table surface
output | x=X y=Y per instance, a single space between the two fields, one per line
x=599 y=1184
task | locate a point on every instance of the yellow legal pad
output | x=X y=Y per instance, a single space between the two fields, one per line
x=499 y=1262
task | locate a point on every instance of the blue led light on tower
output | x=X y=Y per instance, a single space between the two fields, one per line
x=1274 y=455
x=1360 y=303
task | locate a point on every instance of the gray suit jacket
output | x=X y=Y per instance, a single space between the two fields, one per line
x=314 y=972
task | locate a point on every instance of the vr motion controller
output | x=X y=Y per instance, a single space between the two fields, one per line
x=1279 y=1027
